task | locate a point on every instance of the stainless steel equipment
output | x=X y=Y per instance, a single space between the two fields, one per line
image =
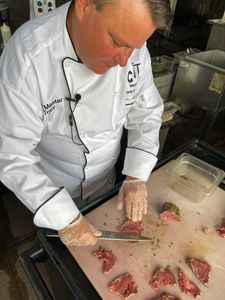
x=164 y=70
x=4 y=13
x=114 y=236
x=217 y=34
x=200 y=80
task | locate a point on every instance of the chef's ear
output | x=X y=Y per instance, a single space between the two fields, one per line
x=82 y=8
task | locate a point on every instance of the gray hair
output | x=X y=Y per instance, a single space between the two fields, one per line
x=159 y=9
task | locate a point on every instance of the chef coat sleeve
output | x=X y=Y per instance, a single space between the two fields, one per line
x=143 y=123
x=21 y=125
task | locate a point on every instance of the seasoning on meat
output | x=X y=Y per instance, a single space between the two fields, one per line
x=163 y=278
x=205 y=230
x=170 y=212
x=167 y=297
x=187 y=287
x=108 y=259
x=124 y=286
x=201 y=269
x=132 y=227
x=221 y=229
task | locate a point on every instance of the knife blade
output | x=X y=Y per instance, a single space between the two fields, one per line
x=116 y=236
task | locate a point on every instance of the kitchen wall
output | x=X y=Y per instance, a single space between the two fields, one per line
x=19 y=12
x=19 y=9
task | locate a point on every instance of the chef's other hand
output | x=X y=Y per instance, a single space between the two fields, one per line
x=133 y=195
x=79 y=233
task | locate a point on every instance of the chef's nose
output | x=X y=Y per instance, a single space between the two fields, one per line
x=122 y=56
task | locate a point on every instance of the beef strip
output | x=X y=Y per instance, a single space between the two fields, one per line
x=107 y=257
x=163 y=278
x=132 y=227
x=124 y=286
x=187 y=287
x=201 y=269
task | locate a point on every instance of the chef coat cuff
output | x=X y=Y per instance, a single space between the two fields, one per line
x=57 y=212
x=138 y=163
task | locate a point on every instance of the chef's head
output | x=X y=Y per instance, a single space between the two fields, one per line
x=105 y=32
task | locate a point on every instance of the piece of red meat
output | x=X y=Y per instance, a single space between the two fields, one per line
x=132 y=227
x=187 y=287
x=221 y=229
x=162 y=278
x=124 y=286
x=201 y=269
x=170 y=212
x=108 y=259
x=167 y=297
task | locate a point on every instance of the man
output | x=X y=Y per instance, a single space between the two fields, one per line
x=70 y=80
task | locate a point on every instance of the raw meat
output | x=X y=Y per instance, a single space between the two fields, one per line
x=167 y=297
x=163 y=278
x=108 y=259
x=221 y=229
x=201 y=269
x=132 y=227
x=187 y=287
x=170 y=212
x=124 y=286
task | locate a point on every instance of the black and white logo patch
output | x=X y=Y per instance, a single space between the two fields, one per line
x=132 y=79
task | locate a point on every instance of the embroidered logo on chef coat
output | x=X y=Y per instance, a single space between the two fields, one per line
x=132 y=79
x=50 y=107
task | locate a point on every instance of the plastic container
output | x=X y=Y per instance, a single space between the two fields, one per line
x=170 y=108
x=193 y=178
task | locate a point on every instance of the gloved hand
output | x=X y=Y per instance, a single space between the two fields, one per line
x=79 y=233
x=133 y=195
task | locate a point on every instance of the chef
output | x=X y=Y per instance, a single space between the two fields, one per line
x=70 y=81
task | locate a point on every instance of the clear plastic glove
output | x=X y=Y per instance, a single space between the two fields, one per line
x=79 y=233
x=133 y=195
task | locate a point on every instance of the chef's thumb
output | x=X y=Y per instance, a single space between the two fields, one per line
x=95 y=231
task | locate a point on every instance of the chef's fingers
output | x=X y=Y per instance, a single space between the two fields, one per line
x=95 y=230
x=145 y=208
x=129 y=208
x=134 y=214
x=139 y=211
x=78 y=233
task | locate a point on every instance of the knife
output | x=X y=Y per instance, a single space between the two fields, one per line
x=116 y=236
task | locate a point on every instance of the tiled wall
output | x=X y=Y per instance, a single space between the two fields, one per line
x=19 y=11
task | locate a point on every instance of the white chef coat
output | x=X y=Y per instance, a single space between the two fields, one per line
x=39 y=161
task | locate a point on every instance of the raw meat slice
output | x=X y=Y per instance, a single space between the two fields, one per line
x=108 y=259
x=221 y=229
x=167 y=297
x=163 y=278
x=201 y=269
x=132 y=227
x=170 y=212
x=187 y=287
x=124 y=286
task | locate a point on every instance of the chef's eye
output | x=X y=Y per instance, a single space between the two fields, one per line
x=116 y=43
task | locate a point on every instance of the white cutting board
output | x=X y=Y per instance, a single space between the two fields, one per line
x=172 y=243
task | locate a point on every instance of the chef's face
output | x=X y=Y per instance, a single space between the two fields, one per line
x=106 y=38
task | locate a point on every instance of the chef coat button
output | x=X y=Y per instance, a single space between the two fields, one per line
x=78 y=97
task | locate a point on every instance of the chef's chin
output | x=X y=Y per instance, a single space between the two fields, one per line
x=100 y=68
